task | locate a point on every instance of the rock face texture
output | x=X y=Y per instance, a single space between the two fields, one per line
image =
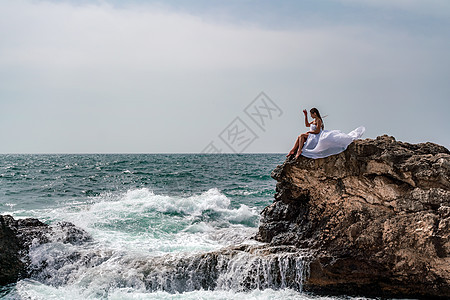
x=16 y=237
x=376 y=217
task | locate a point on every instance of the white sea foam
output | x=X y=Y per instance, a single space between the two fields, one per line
x=96 y=272
x=149 y=246
x=144 y=200
x=141 y=221
x=29 y=289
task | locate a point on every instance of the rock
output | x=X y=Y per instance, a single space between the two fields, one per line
x=17 y=236
x=376 y=216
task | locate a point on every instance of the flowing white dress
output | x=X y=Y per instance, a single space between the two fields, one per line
x=329 y=142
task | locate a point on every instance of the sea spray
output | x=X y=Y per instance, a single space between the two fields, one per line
x=29 y=289
x=94 y=271
x=140 y=220
x=102 y=265
x=186 y=250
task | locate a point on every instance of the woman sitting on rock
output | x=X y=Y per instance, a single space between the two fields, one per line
x=319 y=143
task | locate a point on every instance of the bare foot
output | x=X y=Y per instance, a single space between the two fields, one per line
x=290 y=153
x=298 y=154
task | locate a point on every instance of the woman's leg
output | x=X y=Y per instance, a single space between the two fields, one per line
x=293 y=150
x=302 y=139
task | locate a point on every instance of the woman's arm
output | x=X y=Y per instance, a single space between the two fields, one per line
x=307 y=124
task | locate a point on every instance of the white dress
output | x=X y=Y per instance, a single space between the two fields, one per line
x=329 y=142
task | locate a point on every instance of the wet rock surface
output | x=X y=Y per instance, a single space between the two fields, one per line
x=376 y=217
x=16 y=237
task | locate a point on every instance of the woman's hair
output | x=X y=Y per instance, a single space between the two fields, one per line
x=316 y=111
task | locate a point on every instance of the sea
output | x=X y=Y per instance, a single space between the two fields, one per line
x=149 y=216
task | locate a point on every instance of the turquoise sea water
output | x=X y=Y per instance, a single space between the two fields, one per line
x=144 y=212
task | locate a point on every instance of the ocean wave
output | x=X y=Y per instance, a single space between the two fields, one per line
x=140 y=202
x=139 y=220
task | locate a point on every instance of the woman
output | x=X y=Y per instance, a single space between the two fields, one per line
x=319 y=143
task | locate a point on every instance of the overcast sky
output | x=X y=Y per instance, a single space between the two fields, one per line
x=176 y=76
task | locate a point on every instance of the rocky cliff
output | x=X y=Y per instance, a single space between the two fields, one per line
x=376 y=218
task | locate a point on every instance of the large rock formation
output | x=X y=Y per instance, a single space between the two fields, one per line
x=376 y=216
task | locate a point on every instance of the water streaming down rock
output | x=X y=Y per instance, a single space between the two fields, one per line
x=62 y=254
x=241 y=268
x=248 y=271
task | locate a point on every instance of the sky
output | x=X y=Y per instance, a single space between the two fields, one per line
x=229 y=76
